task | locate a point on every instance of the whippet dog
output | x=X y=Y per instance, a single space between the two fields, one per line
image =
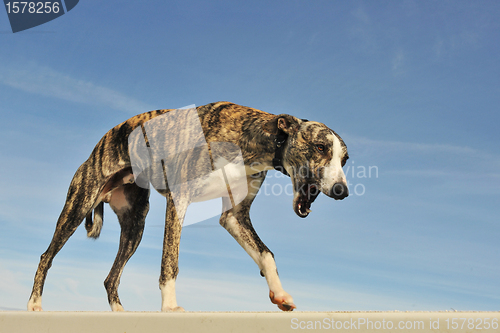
x=124 y=163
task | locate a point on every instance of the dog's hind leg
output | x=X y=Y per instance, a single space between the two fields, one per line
x=79 y=202
x=237 y=222
x=131 y=204
x=170 y=258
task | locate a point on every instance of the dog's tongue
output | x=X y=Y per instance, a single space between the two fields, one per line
x=303 y=207
x=308 y=194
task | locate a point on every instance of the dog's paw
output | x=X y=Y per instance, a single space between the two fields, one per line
x=34 y=306
x=175 y=309
x=117 y=307
x=283 y=300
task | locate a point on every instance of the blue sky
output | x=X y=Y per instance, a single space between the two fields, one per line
x=413 y=87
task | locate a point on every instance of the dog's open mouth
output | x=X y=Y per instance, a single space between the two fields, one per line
x=304 y=197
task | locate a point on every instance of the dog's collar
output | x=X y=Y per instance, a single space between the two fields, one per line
x=279 y=144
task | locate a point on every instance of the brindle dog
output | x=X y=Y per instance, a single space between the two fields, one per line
x=309 y=152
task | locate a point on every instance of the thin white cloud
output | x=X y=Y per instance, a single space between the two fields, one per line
x=398 y=63
x=391 y=146
x=460 y=169
x=362 y=31
x=12 y=286
x=439 y=47
x=49 y=82
x=461 y=162
x=361 y=15
x=447 y=44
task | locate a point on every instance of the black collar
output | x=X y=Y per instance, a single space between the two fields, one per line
x=279 y=144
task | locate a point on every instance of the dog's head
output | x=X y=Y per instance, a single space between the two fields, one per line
x=313 y=156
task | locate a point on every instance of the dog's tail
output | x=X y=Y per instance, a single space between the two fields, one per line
x=94 y=227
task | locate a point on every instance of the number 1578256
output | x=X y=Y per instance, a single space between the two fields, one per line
x=471 y=323
x=23 y=7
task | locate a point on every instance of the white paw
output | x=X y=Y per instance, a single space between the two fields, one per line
x=283 y=300
x=117 y=307
x=35 y=306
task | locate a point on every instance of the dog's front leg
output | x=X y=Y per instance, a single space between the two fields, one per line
x=237 y=222
x=169 y=263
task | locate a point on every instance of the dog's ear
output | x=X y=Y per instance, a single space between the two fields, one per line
x=284 y=122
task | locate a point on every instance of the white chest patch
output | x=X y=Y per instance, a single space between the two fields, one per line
x=227 y=180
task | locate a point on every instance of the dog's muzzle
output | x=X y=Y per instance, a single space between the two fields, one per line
x=339 y=191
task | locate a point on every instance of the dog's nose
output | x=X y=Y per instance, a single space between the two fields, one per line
x=339 y=191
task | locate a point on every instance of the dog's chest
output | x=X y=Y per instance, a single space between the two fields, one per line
x=227 y=180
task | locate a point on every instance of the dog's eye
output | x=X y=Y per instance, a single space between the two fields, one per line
x=344 y=160
x=321 y=148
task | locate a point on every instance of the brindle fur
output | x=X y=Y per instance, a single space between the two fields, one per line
x=107 y=176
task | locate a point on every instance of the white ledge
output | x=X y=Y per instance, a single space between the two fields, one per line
x=146 y=322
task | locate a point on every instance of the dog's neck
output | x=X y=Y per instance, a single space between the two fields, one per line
x=280 y=142
x=262 y=150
